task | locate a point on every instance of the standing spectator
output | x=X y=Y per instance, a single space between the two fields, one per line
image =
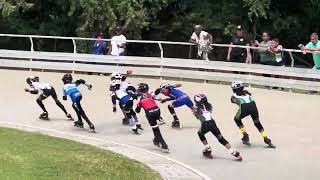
x=118 y=43
x=276 y=50
x=203 y=40
x=100 y=45
x=312 y=46
x=240 y=55
x=266 y=57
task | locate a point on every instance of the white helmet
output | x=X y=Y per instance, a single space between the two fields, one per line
x=237 y=85
x=164 y=85
x=116 y=75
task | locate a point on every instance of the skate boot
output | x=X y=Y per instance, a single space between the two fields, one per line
x=156 y=143
x=161 y=121
x=245 y=139
x=91 y=126
x=69 y=117
x=207 y=153
x=236 y=154
x=176 y=124
x=164 y=147
x=135 y=131
x=78 y=124
x=44 y=116
x=125 y=122
x=268 y=142
x=139 y=126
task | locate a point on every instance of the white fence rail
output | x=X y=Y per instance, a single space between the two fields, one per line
x=288 y=77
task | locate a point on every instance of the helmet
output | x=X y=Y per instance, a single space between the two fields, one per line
x=164 y=85
x=200 y=98
x=143 y=87
x=116 y=75
x=32 y=79
x=67 y=78
x=237 y=85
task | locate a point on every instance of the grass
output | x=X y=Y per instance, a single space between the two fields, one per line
x=25 y=155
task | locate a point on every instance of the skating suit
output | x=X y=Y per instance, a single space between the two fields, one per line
x=72 y=91
x=247 y=105
x=180 y=97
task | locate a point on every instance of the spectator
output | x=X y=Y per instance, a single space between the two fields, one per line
x=266 y=57
x=276 y=50
x=203 y=40
x=118 y=43
x=312 y=46
x=100 y=45
x=240 y=55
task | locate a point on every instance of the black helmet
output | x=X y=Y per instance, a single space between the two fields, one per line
x=32 y=79
x=67 y=78
x=200 y=99
x=143 y=87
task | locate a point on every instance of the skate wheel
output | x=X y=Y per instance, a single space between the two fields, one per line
x=271 y=146
x=247 y=143
x=239 y=158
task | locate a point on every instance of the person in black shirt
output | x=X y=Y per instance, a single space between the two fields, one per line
x=241 y=55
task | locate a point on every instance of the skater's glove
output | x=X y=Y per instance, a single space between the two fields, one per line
x=89 y=86
x=64 y=98
x=233 y=99
x=26 y=90
x=114 y=109
x=138 y=109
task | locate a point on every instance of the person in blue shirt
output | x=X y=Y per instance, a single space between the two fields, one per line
x=71 y=89
x=100 y=45
x=178 y=97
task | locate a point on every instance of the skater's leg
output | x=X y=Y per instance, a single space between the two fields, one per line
x=132 y=122
x=172 y=112
x=60 y=106
x=83 y=114
x=77 y=112
x=152 y=118
x=39 y=101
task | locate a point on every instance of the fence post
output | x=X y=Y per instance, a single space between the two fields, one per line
x=31 y=50
x=74 y=52
x=292 y=59
x=190 y=51
x=161 y=57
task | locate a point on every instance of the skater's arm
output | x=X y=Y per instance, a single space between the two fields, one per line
x=64 y=97
x=81 y=81
x=247 y=92
x=234 y=100
x=31 y=90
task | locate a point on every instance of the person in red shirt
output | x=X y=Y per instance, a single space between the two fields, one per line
x=153 y=113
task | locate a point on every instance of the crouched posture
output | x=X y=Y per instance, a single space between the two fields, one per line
x=153 y=114
x=178 y=97
x=47 y=90
x=125 y=86
x=126 y=103
x=203 y=110
x=247 y=106
x=70 y=89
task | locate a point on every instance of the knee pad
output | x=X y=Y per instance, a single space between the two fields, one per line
x=201 y=136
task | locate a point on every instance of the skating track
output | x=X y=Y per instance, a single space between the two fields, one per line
x=291 y=121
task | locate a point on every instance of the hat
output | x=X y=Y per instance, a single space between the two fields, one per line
x=239 y=28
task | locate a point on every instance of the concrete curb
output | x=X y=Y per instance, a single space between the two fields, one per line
x=168 y=168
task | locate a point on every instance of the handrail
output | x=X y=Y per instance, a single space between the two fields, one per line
x=143 y=41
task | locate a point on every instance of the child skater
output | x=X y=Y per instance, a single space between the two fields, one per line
x=70 y=88
x=47 y=91
x=203 y=111
x=146 y=101
x=247 y=106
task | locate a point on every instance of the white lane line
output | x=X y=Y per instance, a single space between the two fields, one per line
x=111 y=142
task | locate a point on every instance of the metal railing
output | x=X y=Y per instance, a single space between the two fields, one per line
x=159 y=43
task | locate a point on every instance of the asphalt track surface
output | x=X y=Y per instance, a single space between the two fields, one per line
x=290 y=120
